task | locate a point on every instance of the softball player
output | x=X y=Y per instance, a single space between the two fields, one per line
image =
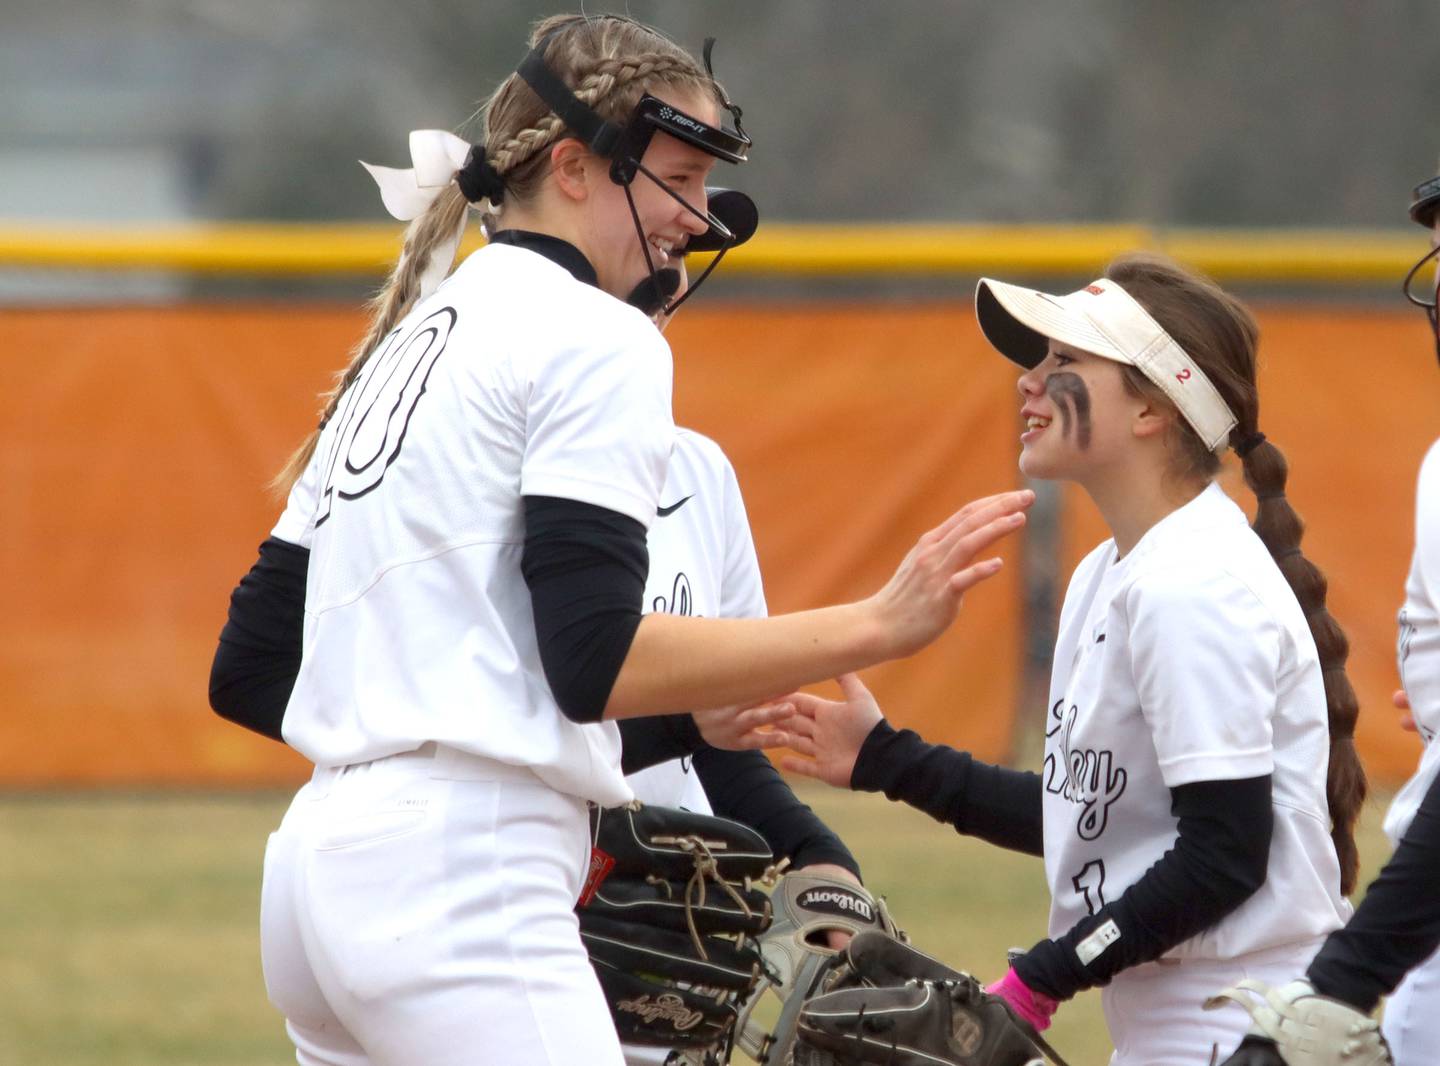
x=702 y=563
x=1393 y=937
x=1181 y=810
x=475 y=508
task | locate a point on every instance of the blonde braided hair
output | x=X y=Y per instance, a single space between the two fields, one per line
x=609 y=62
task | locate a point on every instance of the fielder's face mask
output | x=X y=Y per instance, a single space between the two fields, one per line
x=625 y=147
x=1422 y=284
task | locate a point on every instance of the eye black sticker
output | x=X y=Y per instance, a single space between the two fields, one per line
x=1071 y=398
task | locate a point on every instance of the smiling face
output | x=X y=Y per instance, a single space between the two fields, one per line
x=1079 y=416
x=608 y=230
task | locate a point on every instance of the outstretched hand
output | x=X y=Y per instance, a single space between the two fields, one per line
x=827 y=734
x=923 y=596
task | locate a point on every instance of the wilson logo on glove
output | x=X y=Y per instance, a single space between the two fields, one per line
x=668 y=1007
x=837 y=901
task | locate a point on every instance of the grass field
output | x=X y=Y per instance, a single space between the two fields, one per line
x=128 y=922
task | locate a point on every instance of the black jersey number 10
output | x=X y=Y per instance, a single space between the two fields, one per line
x=375 y=412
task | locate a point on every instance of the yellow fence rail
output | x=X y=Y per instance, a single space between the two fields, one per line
x=313 y=249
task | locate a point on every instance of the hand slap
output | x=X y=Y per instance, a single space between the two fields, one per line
x=744 y=728
x=827 y=735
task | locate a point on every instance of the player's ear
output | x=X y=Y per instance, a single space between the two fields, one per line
x=1152 y=419
x=570 y=166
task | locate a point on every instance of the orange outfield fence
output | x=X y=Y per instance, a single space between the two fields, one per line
x=136 y=443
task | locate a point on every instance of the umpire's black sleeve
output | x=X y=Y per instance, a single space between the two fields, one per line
x=1219 y=860
x=259 y=653
x=746 y=787
x=1397 y=925
x=996 y=804
x=586 y=568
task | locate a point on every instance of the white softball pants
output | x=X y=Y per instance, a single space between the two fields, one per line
x=1410 y=1024
x=418 y=911
x=1154 y=1011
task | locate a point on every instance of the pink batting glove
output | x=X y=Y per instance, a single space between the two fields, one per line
x=1024 y=1001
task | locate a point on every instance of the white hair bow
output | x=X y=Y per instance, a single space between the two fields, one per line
x=437 y=156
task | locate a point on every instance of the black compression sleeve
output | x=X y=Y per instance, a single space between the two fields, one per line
x=1397 y=925
x=996 y=804
x=648 y=741
x=745 y=786
x=586 y=568
x=259 y=653
x=1218 y=861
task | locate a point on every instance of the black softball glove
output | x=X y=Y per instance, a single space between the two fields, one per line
x=670 y=916
x=900 y=1007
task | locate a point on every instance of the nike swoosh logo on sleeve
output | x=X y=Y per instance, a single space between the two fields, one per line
x=663 y=511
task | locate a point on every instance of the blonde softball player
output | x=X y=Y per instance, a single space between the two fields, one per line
x=1182 y=807
x=482 y=484
x=1393 y=937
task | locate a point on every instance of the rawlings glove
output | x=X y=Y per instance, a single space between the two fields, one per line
x=669 y=917
x=1297 y=1026
x=798 y=961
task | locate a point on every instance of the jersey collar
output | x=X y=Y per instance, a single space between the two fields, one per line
x=561 y=253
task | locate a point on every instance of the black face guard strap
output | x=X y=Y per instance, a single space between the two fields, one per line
x=599 y=136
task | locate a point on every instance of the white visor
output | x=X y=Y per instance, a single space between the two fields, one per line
x=1105 y=320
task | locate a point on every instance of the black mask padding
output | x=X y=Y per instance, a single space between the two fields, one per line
x=736 y=211
x=654 y=291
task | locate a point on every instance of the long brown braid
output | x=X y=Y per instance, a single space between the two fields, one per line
x=1221 y=336
x=609 y=62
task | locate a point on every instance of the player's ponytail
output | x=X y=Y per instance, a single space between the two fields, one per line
x=1280 y=527
x=1221 y=336
x=609 y=62
x=387 y=308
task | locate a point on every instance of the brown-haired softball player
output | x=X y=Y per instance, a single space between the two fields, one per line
x=1197 y=692
x=1390 y=944
x=475 y=509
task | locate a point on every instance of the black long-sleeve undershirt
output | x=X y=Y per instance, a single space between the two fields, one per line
x=649 y=741
x=745 y=786
x=585 y=567
x=1397 y=925
x=996 y=804
x=259 y=653
x=1219 y=858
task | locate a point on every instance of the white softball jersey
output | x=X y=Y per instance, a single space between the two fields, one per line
x=1187 y=660
x=418 y=622
x=1419 y=644
x=702 y=563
